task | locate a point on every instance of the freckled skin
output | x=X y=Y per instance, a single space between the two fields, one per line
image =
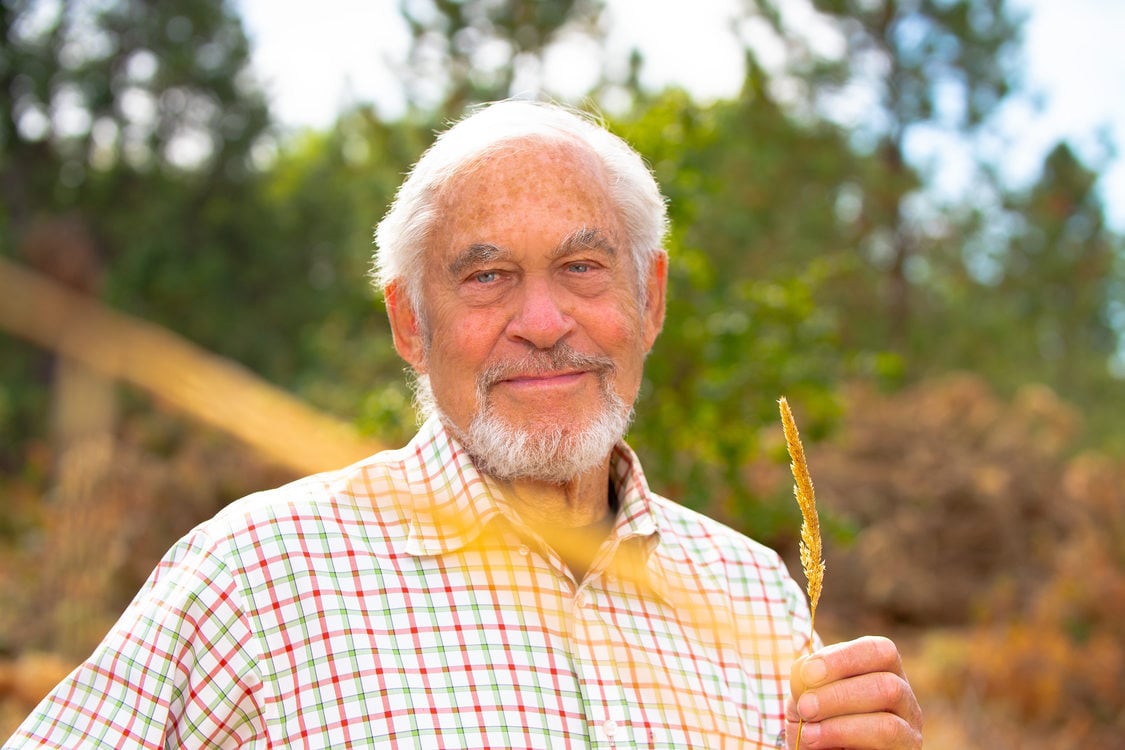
x=533 y=291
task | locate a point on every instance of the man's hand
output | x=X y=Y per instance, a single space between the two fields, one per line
x=854 y=695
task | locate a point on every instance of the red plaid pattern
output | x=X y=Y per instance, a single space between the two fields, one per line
x=399 y=603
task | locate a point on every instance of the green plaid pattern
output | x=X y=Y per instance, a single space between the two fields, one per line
x=399 y=603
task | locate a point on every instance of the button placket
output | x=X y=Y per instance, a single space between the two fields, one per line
x=607 y=706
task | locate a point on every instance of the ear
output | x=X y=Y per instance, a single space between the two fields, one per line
x=656 y=285
x=406 y=329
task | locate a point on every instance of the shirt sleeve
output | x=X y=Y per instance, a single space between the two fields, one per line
x=177 y=670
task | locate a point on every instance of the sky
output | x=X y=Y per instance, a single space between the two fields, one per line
x=313 y=66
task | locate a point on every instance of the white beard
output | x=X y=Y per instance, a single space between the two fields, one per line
x=555 y=454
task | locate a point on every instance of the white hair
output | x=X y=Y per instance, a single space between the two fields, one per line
x=402 y=235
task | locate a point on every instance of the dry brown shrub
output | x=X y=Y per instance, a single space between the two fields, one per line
x=951 y=490
x=31 y=676
x=116 y=505
x=1056 y=662
x=78 y=541
x=24 y=681
x=973 y=516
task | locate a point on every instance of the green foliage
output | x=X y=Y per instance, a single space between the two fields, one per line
x=713 y=380
x=745 y=322
x=1039 y=276
x=24 y=403
x=931 y=66
x=326 y=191
x=126 y=138
x=796 y=262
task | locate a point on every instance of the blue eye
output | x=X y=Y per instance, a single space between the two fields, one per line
x=579 y=267
x=484 y=277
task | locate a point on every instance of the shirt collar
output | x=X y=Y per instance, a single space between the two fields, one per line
x=634 y=514
x=637 y=530
x=453 y=502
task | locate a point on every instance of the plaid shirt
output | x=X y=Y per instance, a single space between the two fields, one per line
x=400 y=603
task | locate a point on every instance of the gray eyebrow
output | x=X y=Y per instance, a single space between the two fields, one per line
x=478 y=252
x=590 y=238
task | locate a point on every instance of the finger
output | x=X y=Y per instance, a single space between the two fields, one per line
x=848 y=659
x=877 y=692
x=857 y=678
x=878 y=731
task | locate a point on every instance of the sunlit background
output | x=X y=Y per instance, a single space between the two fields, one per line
x=317 y=63
x=906 y=216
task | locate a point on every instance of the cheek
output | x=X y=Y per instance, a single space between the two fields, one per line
x=618 y=326
x=467 y=339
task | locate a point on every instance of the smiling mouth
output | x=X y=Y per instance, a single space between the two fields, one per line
x=558 y=366
x=544 y=377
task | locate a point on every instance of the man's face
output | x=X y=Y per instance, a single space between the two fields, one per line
x=532 y=315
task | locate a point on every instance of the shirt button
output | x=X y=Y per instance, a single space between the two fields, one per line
x=524 y=551
x=609 y=726
x=580 y=599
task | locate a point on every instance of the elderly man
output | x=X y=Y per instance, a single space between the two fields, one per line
x=507 y=579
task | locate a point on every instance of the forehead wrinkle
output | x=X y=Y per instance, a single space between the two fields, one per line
x=476 y=253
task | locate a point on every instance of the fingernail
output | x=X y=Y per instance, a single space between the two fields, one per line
x=813 y=671
x=810 y=734
x=807 y=706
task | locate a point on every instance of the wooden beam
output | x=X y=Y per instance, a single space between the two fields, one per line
x=201 y=385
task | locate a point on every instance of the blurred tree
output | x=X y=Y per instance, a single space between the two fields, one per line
x=1057 y=273
x=134 y=124
x=746 y=322
x=109 y=93
x=326 y=192
x=1033 y=270
x=1042 y=277
x=767 y=195
x=929 y=68
x=467 y=51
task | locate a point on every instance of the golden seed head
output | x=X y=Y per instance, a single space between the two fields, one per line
x=812 y=554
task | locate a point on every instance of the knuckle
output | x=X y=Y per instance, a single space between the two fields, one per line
x=891 y=688
x=887 y=733
x=892 y=731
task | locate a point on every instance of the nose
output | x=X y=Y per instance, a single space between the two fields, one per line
x=540 y=321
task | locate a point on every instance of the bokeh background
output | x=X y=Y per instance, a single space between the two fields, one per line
x=906 y=216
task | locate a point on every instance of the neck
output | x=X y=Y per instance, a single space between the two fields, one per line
x=573 y=518
x=546 y=506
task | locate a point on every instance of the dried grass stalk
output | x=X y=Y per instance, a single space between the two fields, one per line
x=812 y=553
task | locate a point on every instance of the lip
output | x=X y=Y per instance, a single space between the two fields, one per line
x=544 y=379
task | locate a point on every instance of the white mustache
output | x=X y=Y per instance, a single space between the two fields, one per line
x=560 y=357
